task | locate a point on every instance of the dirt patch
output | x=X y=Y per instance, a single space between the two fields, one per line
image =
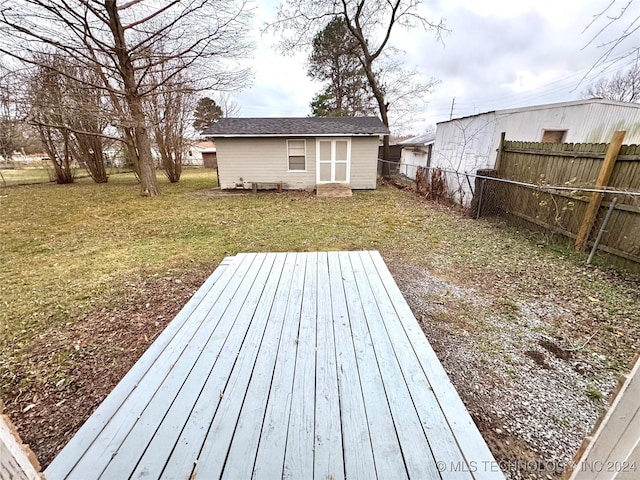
x=538 y=357
x=558 y=351
x=70 y=370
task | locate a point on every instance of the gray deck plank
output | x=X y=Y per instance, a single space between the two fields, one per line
x=287 y=365
x=385 y=444
x=235 y=430
x=356 y=442
x=298 y=461
x=169 y=374
x=442 y=442
x=472 y=445
x=328 y=454
x=393 y=343
x=179 y=328
x=162 y=421
x=273 y=439
x=213 y=404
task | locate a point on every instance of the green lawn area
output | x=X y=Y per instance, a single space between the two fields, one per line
x=23 y=176
x=69 y=248
x=76 y=261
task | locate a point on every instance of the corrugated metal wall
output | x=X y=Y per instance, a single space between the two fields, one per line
x=470 y=143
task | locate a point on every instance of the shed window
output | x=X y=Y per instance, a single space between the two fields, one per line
x=553 y=136
x=296 y=150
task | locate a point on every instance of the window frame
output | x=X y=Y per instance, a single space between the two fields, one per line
x=564 y=132
x=304 y=143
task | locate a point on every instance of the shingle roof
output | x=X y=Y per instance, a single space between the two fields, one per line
x=293 y=126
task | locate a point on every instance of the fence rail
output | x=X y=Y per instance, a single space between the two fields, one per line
x=549 y=187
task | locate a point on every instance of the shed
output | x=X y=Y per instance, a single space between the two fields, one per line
x=299 y=153
x=468 y=144
x=201 y=154
x=416 y=152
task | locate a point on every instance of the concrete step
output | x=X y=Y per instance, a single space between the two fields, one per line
x=333 y=190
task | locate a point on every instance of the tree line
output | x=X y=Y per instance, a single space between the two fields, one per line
x=82 y=72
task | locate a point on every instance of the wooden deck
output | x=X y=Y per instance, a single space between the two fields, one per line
x=285 y=365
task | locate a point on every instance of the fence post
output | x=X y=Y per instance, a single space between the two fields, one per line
x=500 y=151
x=480 y=199
x=603 y=180
x=602 y=229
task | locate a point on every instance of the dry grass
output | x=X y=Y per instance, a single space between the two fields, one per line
x=95 y=252
x=66 y=249
x=69 y=248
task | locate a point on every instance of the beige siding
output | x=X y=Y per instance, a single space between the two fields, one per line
x=364 y=162
x=245 y=160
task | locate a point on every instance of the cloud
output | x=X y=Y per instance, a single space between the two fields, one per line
x=499 y=54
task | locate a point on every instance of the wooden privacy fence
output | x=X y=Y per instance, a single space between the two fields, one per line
x=573 y=210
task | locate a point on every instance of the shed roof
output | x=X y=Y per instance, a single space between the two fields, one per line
x=586 y=101
x=296 y=126
x=423 y=139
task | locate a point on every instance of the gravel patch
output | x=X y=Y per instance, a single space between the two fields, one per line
x=533 y=395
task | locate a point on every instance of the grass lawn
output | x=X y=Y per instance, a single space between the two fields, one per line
x=70 y=250
x=24 y=176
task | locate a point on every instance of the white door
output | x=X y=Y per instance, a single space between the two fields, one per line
x=334 y=158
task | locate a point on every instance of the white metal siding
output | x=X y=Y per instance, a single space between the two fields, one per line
x=588 y=123
x=245 y=160
x=463 y=145
x=471 y=143
x=413 y=157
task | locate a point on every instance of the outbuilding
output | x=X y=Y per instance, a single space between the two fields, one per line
x=416 y=152
x=297 y=153
x=468 y=144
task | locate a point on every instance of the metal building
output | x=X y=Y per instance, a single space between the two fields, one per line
x=470 y=143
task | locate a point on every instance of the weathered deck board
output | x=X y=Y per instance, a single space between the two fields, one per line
x=288 y=365
x=328 y=456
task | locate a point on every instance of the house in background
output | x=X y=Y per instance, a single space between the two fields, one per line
x=201 y=153
x=416 y=152
x=468 y=144
x=299 y=153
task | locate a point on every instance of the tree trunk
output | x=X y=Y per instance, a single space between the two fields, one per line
x=386 y=154
x=148 y=180
x=383 y=106
x=142 y=141
x=61 y=168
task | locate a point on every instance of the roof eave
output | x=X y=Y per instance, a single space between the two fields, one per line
x=288 y=135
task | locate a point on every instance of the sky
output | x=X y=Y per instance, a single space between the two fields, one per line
x=496 y=54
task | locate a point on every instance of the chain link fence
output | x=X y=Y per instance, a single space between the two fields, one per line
x=606 y=218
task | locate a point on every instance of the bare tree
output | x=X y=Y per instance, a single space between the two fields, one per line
x=115 y=39
x=621 y=19
x=623 y=86
x=49 y=111
x=169 y=113
x=369 y=22
x=406 y=90
x=65 y=109
x=230 y=108
x=9 y=128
